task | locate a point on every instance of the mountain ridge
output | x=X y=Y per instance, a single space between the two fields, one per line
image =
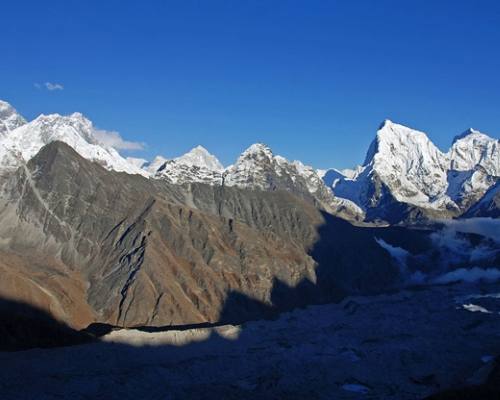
x=404 y=173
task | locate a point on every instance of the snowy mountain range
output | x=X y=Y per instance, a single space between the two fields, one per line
x=22 y=140
x=403 y=169
x=404 y=176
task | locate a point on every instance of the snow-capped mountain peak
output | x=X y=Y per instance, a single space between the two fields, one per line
x=153 y=166
x=394 y=137
x=403 y=165
x=200 y=157
x=473 y=148
x=10 y=119
x=255 y=168
x=22 y=143
x=466 y=133
x=257 y=151
x=258 y=168
x=408 y=163
x=197 y=165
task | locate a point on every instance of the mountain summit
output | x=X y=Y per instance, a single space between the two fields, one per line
x=197 y=165
x=10 y=119
x=405 y=171
x=405 y=177
x=21 y=143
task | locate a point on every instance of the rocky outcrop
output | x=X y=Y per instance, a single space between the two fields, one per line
x=488 y=205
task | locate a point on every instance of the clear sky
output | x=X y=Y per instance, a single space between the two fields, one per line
x=312 y=79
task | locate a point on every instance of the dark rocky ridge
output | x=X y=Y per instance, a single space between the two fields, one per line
x=488 y=205
x=92 y=245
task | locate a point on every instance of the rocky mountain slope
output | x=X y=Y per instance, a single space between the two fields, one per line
x=196 y=242
x=256 y=168
x=88 y=244
x=488 y=205
x=406 y=177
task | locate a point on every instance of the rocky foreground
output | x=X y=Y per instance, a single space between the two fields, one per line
x=405 y=345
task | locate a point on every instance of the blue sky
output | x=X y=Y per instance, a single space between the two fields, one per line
x=312 y=79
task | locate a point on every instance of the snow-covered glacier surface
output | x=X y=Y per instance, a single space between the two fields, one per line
x=400 y=346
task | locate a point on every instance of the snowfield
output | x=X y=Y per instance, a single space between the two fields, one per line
x=395 y=346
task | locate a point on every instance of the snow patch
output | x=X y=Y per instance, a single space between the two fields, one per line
x=475 y=308
x=356 y=388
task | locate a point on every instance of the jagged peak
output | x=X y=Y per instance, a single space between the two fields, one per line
x=385 y=123
x=199 y=148
x=388 y=129
x=4 y=105
x=258 y=148
x=200 y=157
x=54 y=117
x=470 y=133
x=392 y=135
x=10 y=119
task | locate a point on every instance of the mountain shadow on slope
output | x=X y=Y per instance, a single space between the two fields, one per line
x=24 y=326
x=136 y=252
x=349 y=261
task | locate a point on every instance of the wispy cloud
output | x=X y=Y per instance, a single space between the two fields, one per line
x=49 y=86
x=114 y=139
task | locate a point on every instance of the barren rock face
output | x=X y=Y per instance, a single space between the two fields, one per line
x=141 y=252
x=90 y=245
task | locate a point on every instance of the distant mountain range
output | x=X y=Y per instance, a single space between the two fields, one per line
x=91 y=236
x=405 y=177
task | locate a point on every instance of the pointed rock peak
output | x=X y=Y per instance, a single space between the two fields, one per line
x=385 y=123
x=154 y=165
x=200 y=150
x=10 y=119
x=392 y=128
x=258 y=149
x=200 y=157
x=396 y=137
x=5 y=106
x=76 y=116
x=79 y=116
x=48 y=119
x=468 y=133
x=393 y=134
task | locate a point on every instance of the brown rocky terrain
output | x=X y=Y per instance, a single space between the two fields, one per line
x=88 y=244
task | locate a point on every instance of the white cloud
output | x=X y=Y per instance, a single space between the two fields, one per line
x=114 y=139
x=49 y=86
x=474 y=274
x=53 y=86
x=487 y=227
